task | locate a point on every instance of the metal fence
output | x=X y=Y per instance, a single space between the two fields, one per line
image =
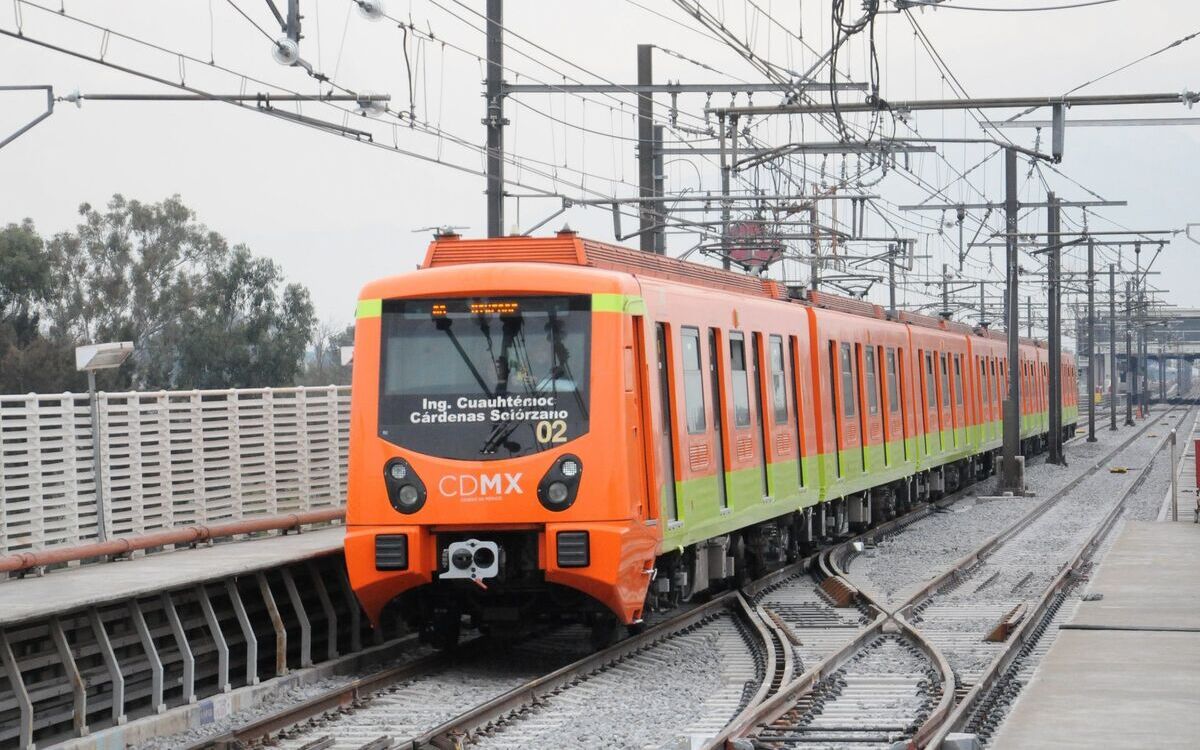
x=168 y=458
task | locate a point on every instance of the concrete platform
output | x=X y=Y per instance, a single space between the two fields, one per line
x=65 y=590
x=1125 y=672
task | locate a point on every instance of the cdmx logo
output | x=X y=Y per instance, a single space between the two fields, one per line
x=474 y=485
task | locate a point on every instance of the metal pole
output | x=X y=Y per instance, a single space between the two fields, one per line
x=660 y=234
x=97 y=477
x=1091 y=340
x=983 y=304
x=1112 y=346
x=946 y=291
x=1013 y=476
x=1174 y=481
x=1054 y=333
x=816 y=247
x=495 y=121
x=725 y=202
x=1130 y=378
x=892 y=280
x=1162 y=369
x=646 y=149
x=293 y=20
x=1029 y=317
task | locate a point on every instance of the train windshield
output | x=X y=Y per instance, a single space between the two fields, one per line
x=484 y=377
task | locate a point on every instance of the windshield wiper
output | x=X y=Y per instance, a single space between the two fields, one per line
x=444 y=325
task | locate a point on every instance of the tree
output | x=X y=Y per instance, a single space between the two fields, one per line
x=201 y=314
x=325 y=366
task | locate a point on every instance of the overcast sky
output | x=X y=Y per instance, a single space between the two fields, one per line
x=335 y=213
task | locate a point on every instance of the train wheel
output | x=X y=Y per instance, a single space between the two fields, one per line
x=606 y=630
x=445 y=630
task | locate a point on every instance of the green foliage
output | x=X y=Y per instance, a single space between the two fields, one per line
x=201 y=314
x=325 y=367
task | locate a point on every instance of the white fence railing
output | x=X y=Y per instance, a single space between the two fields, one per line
x=167 y=458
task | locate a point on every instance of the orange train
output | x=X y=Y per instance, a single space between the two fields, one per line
x=561 y=427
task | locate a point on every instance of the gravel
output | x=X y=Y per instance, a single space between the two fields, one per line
x=896 y=566
x=653 y=698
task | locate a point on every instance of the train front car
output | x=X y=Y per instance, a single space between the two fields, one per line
x=495 y=468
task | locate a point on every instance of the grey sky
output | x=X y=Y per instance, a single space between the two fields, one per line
x=336 y=213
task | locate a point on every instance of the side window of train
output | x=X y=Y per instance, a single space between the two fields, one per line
x=872 y=379
x=985 y=389
x=893 y=387
x=945 y=382
x=930 y=388
x=958 y=384
x=693 y=381
x=778 y=381
x=848 y=388
x=741 y=382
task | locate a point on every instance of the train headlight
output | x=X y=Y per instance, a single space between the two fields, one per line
x=560 y=485
x=408 y=495
x=557 y=493
x=406 y=491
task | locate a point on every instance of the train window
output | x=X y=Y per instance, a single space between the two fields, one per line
x=985 y=390
x=872 y=380
x=741 y=383
x=848 y=399
x=778 y=381
x=958 y=386
x=945 y=383
x=693 y=381
x=930 y=388
x=893 y=388
x=478 y=378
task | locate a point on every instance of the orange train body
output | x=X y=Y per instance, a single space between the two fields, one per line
x=700 y=423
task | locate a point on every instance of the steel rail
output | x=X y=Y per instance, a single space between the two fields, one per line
x=828 y=565
x=453 y=733
x=984 y=550
x=1029 y=629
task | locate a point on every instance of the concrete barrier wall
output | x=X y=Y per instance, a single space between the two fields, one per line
x=168 y=458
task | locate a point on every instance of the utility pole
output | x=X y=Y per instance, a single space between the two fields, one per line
x=945 y=291
x=1162 y=369
x=892 y=281
x=726 y=204
x=646 y=148
x=1029 y=317
x=1091 y=339
x=1054 y=334
x=1112 y=346
x=1130 y=378
x=816 y=247
x=1013 y=467
x=495 y=121
x=660 y=233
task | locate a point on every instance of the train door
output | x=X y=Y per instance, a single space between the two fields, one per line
x=929 y=411
x=895 y=409
x=848 y=392
x=834 y=411
x=784 y=443
x=946 y=420
x=760 y=413
x=697 y=444
x=960 y=400
x=742 y=439
x=872 y=411
x=714 y=373
x=666 y=442
x=795 y=384
x=985 y=402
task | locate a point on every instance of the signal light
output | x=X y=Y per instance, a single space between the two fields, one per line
x=406 y=491
x=560 y=485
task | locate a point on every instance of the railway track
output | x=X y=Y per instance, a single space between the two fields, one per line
x=891 y=683
x=799 y=658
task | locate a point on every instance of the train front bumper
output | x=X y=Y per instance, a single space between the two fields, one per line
x=608 y=561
